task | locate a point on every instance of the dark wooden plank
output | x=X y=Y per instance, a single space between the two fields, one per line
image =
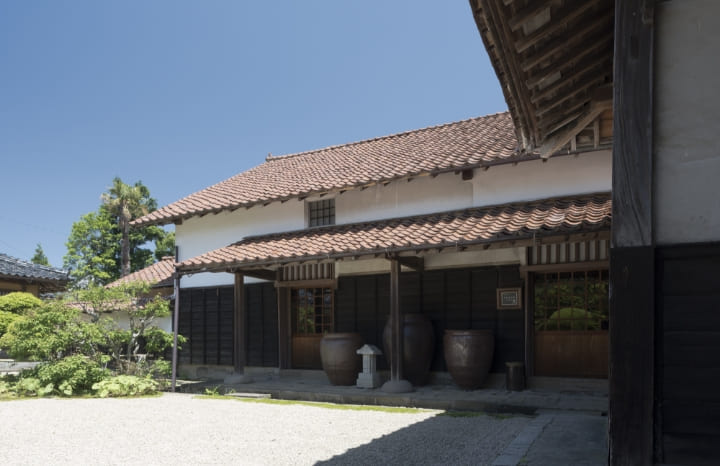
x=681 y=383
x=632 y=356
x=632 y=124
x=410 y=296
x=345 y=297
x=275 y=348
x=458 y=304
x=691 y=449
x=694 y=350
x=691 y=313
x=691 y=417
x=691 y=276
x=255 y=324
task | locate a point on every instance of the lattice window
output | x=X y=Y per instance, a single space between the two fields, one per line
x=321 y=213
x=571 y=300
x=313 y=310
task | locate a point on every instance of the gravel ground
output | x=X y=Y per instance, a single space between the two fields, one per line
x=181 y=429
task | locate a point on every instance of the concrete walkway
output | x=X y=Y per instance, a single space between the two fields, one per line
x=559 y=438
x=310 y=386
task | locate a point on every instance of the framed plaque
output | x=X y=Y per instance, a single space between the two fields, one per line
x=509 y=298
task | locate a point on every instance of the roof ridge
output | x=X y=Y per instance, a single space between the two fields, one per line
x=271 y=158
x=48 y=268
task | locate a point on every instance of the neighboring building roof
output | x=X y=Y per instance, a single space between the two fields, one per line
x=470 y=143
x=159 y=274
x=457 y=229
x=17 y=269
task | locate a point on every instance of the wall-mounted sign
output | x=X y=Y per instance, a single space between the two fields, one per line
x=509 y=298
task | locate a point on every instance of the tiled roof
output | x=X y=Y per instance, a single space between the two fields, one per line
x=159 y=274
x=12 y=267
x=476 y=142
x=460 y=228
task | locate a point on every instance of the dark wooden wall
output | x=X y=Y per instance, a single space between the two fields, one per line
x=451 y=298
x=206 y=319
x=688 y=353
x=262 y=314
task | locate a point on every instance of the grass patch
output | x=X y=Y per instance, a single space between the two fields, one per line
x=318 y=404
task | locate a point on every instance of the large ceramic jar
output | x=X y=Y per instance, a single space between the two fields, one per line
x=340 y=361
x=468 y=355
x=418 y=347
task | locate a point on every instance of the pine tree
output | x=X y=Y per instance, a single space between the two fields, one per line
x=40 y=258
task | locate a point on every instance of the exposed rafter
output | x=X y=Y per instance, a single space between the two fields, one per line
x=551 y=56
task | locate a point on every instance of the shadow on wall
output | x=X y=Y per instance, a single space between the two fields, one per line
x=467 y=438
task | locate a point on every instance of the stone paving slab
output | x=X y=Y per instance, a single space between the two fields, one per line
x=445 y=397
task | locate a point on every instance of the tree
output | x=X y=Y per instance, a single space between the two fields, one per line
x=125 y=203
x=94 y=248
x=40 y=258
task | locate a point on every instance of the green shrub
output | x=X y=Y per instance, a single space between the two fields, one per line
x=50 y=333
x=4 y=388
x=19 y=302
x=31 y=386
x=572 y=318
x=73 y=375
x=6 y=318
x=125 y=385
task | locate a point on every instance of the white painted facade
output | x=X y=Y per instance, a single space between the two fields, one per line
x=687 y=118
x=559 y=176
x=123 y=321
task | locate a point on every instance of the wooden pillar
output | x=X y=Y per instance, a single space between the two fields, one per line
x=239 y=333
x=631 y=419
x=396 y=323
x=284 y=335
x=396 y=384
x=176 y=324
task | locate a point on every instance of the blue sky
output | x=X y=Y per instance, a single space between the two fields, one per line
x=183 y=94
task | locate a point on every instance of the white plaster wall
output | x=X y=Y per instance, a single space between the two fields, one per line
x=421 y=195
x=559 y=176
x=505 y=256
x=199 y=235
x=687 y=121
x=121 y=317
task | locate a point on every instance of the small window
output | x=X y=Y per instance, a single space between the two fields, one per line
x=313 y=310
x=321 y=213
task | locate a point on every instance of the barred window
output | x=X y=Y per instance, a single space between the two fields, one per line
x=312 y=309
x=321 y=213
x=571 y=300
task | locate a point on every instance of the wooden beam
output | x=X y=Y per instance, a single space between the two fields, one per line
x=568 y=15
x=632 y=427
x=553 y=144
x=567 y=43
x=413 y=262
x=262 y=274
x=572 y=57
x=529 y=12
x=579 y=90
x=509 y=60
x=582 y=70
x=322 y=283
